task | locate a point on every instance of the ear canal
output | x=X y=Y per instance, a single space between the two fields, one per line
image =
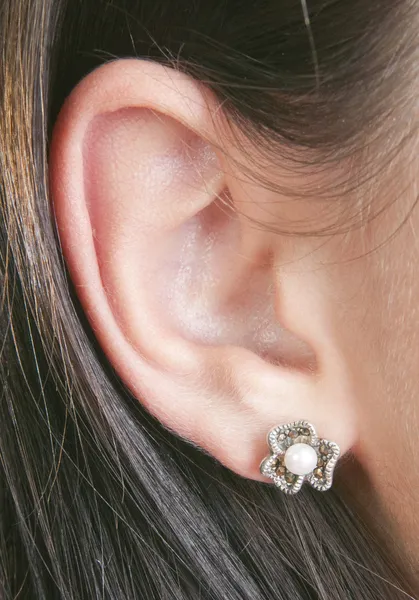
x=216 y=296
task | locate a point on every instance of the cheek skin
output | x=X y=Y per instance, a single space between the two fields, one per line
x=373 y=306
x=378 y=329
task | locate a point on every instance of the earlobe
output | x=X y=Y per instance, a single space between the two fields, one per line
x=147 y=221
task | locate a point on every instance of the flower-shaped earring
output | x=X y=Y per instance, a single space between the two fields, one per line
x=298 y=455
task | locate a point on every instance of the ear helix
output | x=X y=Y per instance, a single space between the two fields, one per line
x=298 y=455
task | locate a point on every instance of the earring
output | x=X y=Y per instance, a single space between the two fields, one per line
x=298 y=455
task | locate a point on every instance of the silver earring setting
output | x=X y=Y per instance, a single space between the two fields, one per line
x=298 y=455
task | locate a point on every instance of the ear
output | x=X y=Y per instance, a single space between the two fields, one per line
x=189 y=300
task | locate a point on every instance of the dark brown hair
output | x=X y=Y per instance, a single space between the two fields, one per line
x=97 y=499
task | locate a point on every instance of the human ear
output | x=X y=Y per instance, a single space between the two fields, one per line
x=186 y=297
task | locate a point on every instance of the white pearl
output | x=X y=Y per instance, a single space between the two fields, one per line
x=300 y=459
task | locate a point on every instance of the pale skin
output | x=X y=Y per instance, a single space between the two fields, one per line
x=223 y=329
